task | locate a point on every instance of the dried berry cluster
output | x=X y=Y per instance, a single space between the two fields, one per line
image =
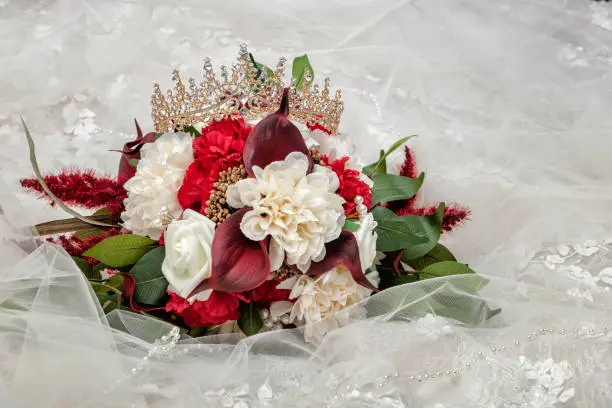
x=217 y=208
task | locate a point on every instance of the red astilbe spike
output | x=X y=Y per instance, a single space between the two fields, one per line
x=75 y=246
x=409 y=168
x=81 y=188
x=454 y=214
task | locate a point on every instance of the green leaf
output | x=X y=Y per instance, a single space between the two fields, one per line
x=250 y=321
x=302 y=72
x=199 y=331
x=389 y=279
x=133 y=162
x=351 y=225
x=43 y=185
x=121 y=250
x=97 y=269
x=108 y=296
x=86 y=268
x=416 y=235
x=151 y=284
x=445 y=268
x=380 y=166
x=391 y=187
x=262 y=69
x=438 y=254
x=192 y=130
x=115 y=281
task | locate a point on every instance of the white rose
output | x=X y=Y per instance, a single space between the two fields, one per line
x=188 y=252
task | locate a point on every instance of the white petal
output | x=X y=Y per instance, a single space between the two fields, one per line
x=288 y=284
x=277 y=255
x=232 y=196
x=250 y=226
x=278 y=309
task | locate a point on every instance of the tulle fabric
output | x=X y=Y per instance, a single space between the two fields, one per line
x=510 y=100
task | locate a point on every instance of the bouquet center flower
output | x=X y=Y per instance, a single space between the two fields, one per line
x=300 y=212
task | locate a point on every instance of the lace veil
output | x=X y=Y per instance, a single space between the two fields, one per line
x=510 y=100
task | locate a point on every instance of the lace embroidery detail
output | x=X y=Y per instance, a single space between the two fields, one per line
x=587 y=265
x=432 y=326
x=548 y=383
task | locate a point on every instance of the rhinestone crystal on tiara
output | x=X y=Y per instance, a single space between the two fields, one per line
x=247 y=89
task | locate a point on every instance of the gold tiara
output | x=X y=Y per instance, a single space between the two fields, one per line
x=247 y=90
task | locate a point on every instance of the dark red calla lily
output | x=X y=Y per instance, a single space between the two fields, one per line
x=273 y=138
x=238 y=264
x=342 y=251
x=131 y=150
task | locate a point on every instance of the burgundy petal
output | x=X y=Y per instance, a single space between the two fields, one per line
x=131 y=150
x=238 y=264
x=342 y=251
x=273 y=138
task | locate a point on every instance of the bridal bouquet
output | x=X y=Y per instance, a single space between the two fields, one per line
x=239 y=211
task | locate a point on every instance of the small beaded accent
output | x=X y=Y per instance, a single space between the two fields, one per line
x=217 y=208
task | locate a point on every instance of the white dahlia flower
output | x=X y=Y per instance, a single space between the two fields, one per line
x=322 y=296
x=152 y=192
x=299 y=211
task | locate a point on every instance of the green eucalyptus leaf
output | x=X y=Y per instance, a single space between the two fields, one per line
x=380 y=166
x=250 y=321
x=351 y=225
x=121 y=250
x=439 y=253
x=151 y=284
x=391 y=187
x=416 y=235
x=445 y=268
x=302 y=72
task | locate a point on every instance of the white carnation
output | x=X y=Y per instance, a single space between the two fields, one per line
x=152 y=192
x=299 y=211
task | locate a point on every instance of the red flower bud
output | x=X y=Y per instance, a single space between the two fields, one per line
x=273 y=138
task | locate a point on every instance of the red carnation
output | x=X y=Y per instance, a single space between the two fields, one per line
x=267 y=293
x=351 y=185
x=219 y=148
x=218 y=309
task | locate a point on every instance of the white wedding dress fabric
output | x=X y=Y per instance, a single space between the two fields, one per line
x=510 y=101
